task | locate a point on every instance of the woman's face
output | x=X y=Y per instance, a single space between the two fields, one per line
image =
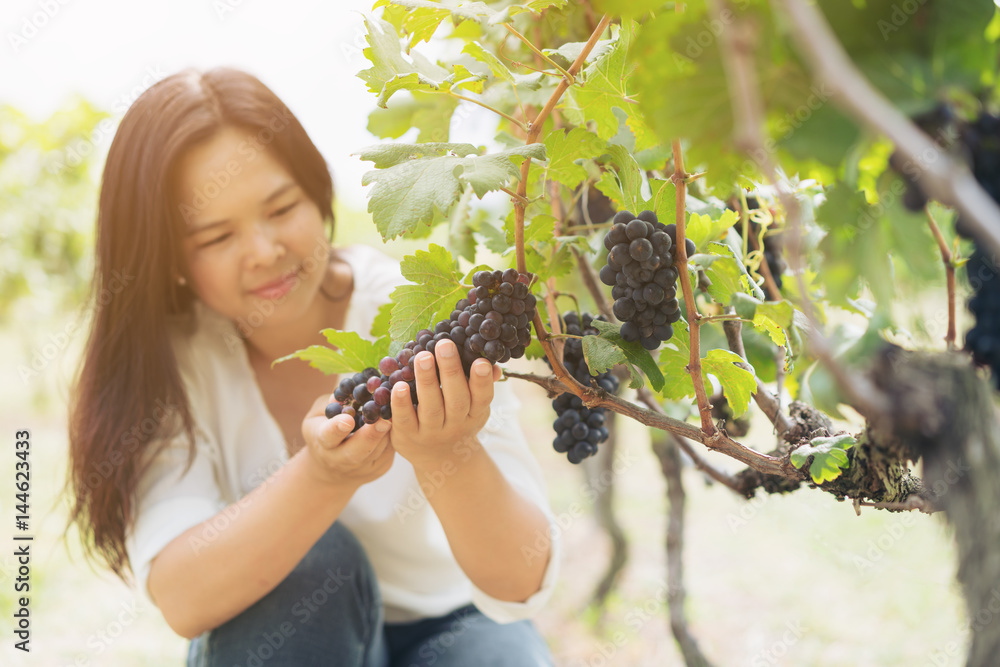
x=254 y=241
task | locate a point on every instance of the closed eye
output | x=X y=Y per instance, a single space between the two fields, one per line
x=286 y=209
x=217 y=239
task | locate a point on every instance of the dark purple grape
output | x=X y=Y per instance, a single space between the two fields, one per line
x=382 y=396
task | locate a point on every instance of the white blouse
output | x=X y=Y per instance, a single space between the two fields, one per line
x=239 y=445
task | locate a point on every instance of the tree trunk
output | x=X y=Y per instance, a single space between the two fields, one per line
x=947 y=413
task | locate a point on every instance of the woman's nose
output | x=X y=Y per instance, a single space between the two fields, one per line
x=265 y=247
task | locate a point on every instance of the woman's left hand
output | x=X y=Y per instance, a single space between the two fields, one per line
x=450 y=412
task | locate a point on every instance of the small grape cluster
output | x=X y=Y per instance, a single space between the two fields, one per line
x=982 y=140
x=365 y=397
x=579 y=429
x=641 y=273
x=493 y=322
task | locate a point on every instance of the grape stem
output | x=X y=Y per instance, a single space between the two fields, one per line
x=949 y=268
x=488 y=107
x=523 y=201
x=693 y=316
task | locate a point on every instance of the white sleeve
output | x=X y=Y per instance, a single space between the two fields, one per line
x=503 y=439
x=169 y=500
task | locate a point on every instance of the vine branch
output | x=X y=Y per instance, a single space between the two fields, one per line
x=719 y=440
x=694 y=364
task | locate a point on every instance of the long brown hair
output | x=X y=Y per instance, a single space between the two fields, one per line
x=128 y=392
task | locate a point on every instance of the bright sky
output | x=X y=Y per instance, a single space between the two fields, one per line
x=307 y=51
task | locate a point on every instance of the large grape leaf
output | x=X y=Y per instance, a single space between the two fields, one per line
x=353 y=353
x=604 y=86
x=410 y=191
x=635 y=355
x=436 y=287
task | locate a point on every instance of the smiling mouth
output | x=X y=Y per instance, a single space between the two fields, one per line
x=278 y=287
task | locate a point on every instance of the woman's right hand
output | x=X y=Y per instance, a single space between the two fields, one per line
x=343 y=461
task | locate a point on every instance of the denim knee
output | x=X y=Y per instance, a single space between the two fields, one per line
x=328 y=606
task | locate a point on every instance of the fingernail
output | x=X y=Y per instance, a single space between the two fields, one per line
x=345 y=425
x=446 y=348
x=425 y=360
x=382 y=426
x=482 y=368
x=401 y=388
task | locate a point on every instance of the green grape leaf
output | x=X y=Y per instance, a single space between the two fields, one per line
x=635 y=354
x=380 y=325
x=410 y=192
x=674 y=357
x=392 y=154
x=480 y=53
x=391 y=71
x=437 y=286
x=738 y=384
x=829 y=457
x=570 y=51
x=429 y=113
x=565 y=148
x=623 y=185
x=604 y=86
x=353 y=353
x=702 y=228
x=601 y=354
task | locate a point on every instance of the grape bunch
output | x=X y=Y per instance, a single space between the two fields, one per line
x=982 y=140
x=641 y=273
x=579 y=429
x=493 y=322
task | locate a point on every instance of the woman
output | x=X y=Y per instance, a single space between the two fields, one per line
x=263 y=531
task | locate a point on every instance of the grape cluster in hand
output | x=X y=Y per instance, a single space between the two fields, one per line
x=493 y=322
x=579 y=429
x=641 y=273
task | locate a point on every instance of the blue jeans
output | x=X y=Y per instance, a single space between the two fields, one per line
x=328 y=611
